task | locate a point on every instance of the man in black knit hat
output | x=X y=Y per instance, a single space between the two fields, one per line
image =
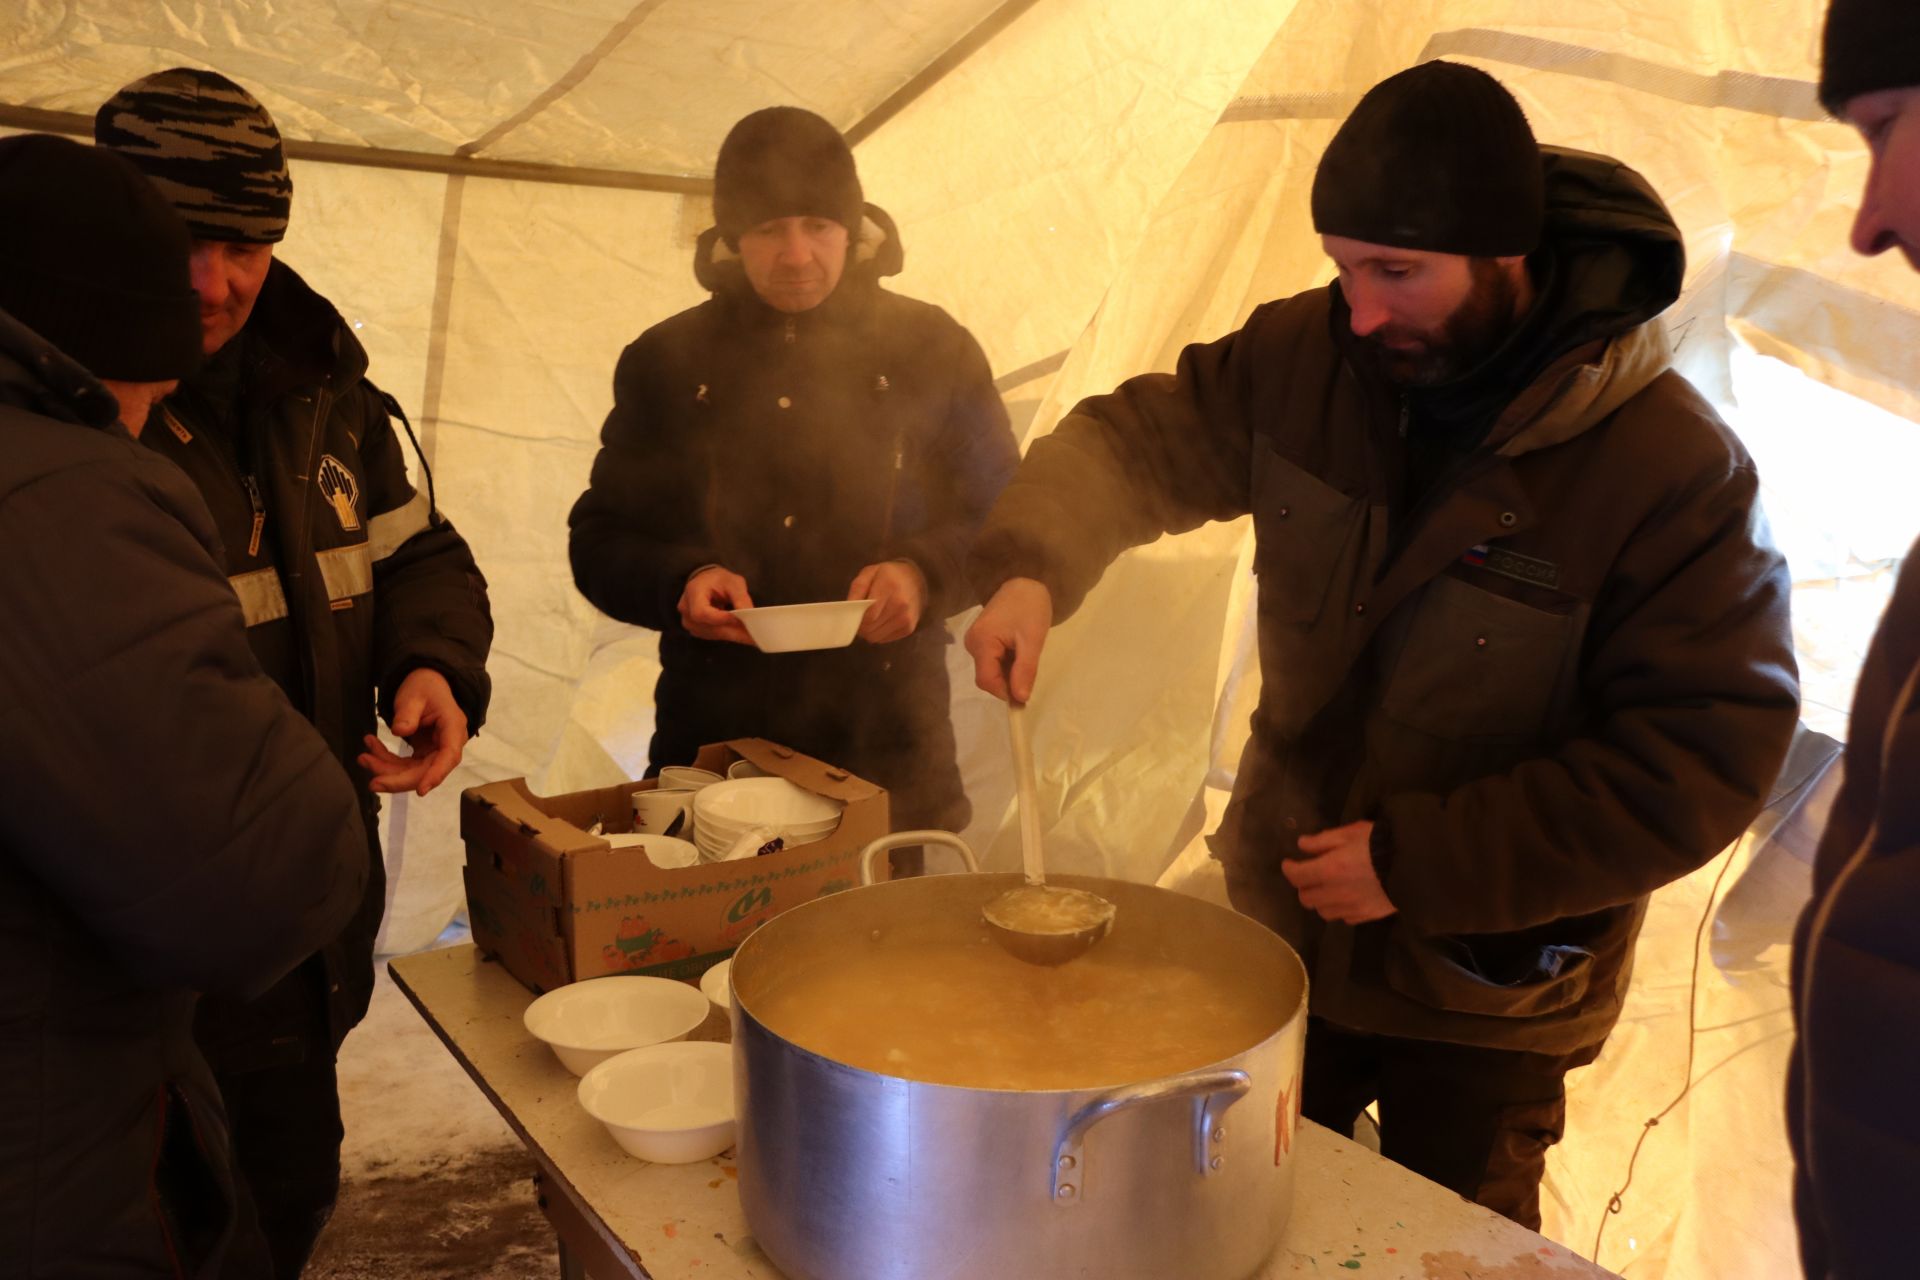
x=359 y=595
x=804 y=435
x=1524 y=645
x=143 y=858
x=1851 y=1110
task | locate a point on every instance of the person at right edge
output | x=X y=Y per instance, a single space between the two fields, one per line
x=1851 y=1084
x=1523 y=639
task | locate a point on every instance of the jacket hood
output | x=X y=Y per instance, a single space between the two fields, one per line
x=38 y=376
x=876 y=253
x=304 y=332
x=1615 y=246
x=1618 y=261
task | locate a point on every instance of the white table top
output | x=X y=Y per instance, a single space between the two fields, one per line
x=1354 y=1213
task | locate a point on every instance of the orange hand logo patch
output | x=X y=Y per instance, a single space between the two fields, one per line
x=341 y=490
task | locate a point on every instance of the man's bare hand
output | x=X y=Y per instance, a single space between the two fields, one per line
x=426 y=715
x=1337 y=878
x=899 y=593
x=707 y=605
x=1006 y=639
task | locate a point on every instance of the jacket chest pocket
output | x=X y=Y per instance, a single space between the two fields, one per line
x=1477 y=666
x=1306 y=536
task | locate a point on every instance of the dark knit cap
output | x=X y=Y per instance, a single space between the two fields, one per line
x=95 y=261
x=784 y=162
x=1869 y=45
x=1438 y=157
x=209 y=146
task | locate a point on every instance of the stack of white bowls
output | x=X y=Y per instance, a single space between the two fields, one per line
x=736 y=817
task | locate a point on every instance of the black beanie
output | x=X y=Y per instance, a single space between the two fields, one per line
x=1869 y=45
x=784 y=162
x=95 y=261
x=1438 y=157
x=209 y=146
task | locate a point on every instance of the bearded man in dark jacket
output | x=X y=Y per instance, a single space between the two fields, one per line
x=358 y=595
x=168 y=823
x=805 y=435
x=1523 y=640
x=1851 y=1111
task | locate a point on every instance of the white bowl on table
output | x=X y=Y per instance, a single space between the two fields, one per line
x=788 y=628
x=586 y=1023
x=717 y=982
x=668 y=1103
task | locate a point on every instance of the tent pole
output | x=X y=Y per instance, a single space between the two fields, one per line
x=968 y=45
x=73 y=123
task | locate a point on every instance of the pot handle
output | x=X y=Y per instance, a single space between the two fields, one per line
x=1212 y=1093
x=901 y=839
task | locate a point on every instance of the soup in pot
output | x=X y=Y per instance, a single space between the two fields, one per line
x=961 y=1011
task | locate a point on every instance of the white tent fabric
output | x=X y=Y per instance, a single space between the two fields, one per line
x=501 y=195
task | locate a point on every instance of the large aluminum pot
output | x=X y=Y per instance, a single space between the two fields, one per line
x=850 y=1175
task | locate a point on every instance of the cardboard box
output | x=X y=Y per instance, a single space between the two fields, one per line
x=556 y=905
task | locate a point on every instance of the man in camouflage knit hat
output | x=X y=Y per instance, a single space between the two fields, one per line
x=358 y=594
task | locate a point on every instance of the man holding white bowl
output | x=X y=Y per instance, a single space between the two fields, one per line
x=803 y=436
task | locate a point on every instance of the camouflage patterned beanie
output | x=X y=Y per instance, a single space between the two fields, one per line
x=209 y=147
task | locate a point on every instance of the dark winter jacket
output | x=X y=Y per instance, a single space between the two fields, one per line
x=168 y=824
x=349 y=578
x=1560 y=679
x=1852 y=1114
x=795 y=451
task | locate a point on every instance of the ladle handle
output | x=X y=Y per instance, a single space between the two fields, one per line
x=902 y=839
x=1029 y=792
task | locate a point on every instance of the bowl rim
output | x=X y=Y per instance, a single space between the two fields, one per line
x=705 y=799
x=547 y=1001
x=776 y=611
x=695 y=1049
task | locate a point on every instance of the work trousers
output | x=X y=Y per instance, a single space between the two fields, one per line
x=1477 y=1121
x=283 y=1108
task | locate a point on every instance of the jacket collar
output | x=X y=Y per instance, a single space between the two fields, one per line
x=301 y=338
x=1581 y=389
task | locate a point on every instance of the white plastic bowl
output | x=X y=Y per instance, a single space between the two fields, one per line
x=684 y=777
x=785 y=628
x=746 y=845
x=585 y=1023
x=739 y=803
x=668 y=1103
x=717 y=982
x=661 y=851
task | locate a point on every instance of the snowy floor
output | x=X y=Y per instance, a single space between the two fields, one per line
x=434 y=1184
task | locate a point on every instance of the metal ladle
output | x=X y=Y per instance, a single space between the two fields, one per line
x=1018 y=918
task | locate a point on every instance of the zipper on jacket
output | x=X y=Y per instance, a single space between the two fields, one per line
x=1404 y=413
x=259 y=516
x=881 y=385
x=232 y=466
x=893 y=496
